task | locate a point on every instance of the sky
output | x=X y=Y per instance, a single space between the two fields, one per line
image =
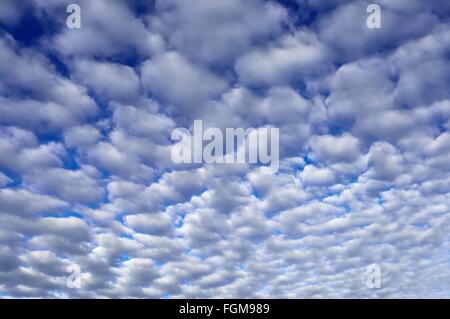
x=86 y=176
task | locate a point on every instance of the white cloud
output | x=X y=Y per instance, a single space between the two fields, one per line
x=103 y=34
x=22 y=202
x=335 y=148
x=313 y=176
x=108 y=80
x=81 y=136
x=174 y=79
x=289 y=59
x=51 y=101
x=79 y=186
x=237 y=26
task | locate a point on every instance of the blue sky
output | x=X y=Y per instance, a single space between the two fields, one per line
x=86 y=175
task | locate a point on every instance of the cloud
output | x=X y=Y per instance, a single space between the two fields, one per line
x=335 y=148
x=317 y=176
x=174 y=79
x=79 y=186
x=22 y=202
x=108 y=80
x=345 y=30
x=109 y=158
x=25 y=153
x=158 y=224
x=237 y=26
x=385 y=160
x=10 y=12
x=55 y=101
x=81 y=136
x=103 y=34
x=288 y=60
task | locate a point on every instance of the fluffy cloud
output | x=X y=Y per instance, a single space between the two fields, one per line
x=344 y=29
x=113 y=38
x=108 y=80
x=79 y=186
x=332 y=148
x=22 y=202
x=34 y=95
x=174 y=79
x=288 y=60
x=237 y=26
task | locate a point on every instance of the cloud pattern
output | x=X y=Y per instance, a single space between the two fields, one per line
x=86 y=176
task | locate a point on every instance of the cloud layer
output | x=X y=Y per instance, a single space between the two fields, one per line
x=86 y=176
